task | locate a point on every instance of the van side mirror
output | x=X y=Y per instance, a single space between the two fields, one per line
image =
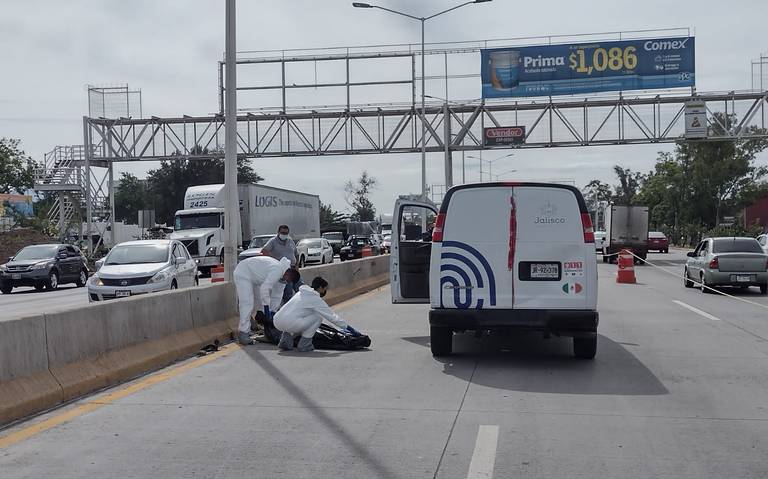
x=691 y=254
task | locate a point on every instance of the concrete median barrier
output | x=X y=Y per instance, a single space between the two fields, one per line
x=26 y=384
x=348 y=279
x=54 y=357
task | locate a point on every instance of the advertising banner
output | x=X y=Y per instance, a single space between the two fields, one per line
x=579 y=68
x=505 y=135
x=20 y=203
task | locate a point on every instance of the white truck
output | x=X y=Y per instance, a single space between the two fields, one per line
x=626 y=227
x=200 y=225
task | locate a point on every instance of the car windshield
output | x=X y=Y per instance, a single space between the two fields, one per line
x=199 y=220
x=334 y=236
x=737 y=245
x=36 y=252
x=137 y=254
x=258 y=242
x=311 y=243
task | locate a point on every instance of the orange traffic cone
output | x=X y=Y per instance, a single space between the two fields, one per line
x=217 y=274
x=626 y=272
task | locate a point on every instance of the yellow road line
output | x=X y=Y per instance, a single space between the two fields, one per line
x=108 y=398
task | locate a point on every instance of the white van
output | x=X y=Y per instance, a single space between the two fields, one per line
x=503 y=256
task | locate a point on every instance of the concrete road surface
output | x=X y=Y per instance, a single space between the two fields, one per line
x=673 y=393
x=26 y=301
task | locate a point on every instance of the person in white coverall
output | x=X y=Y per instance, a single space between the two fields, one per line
x=304 y=313
x=259 y=275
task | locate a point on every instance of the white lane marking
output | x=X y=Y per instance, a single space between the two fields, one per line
x=696 y=310
x=484 y=457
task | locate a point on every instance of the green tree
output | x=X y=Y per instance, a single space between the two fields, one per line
x=16 y=168
x=130 y=197
x=167 y=184
x=358 y=197
x=596 y=192
x=330 y=218
x=629 y=185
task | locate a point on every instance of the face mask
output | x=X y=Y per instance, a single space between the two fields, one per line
x=282 y=236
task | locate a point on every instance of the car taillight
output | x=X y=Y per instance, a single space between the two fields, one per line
x=714 y=264
x=589 y=232
x=437 y=232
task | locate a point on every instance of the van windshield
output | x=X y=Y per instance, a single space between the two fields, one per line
x=199 y=220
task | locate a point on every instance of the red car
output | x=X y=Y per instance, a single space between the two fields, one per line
x=658 y=241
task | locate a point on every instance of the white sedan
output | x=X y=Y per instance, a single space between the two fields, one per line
x=314 y=250
x=138 y=267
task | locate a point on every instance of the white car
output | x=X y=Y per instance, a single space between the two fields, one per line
x=526 y=264
x=763 y=240
x=254 y=247
x=138 y=267
x=314 y=250
x=599 y=240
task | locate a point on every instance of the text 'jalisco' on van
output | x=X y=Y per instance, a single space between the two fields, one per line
x=502 y=256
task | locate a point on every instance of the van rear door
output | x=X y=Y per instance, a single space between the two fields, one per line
x=411 y=250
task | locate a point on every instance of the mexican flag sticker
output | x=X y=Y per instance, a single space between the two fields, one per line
x=572 y=288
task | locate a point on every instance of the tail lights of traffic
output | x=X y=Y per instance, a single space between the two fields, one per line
x=714 y=264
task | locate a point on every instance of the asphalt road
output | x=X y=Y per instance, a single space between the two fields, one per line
x=26 y=301
x=673 y=393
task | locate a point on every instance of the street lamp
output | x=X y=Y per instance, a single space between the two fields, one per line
x=232 y=208
x=503 y=173
x=423 y=78
x=490 y=164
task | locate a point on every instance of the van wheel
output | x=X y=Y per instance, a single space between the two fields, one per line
x=441 y=341
x=585 y=348
x=687 y=282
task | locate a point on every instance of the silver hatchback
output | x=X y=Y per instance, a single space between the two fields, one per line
x=731 y=261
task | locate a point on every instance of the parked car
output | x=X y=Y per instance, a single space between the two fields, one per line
x=658 y=241
x=534 y=271
x=353 y=249
x=763 y=240
x=599 y=240
x=44 y=266
x=729 y=261
x=335 y=239
x=254 y=247
x=386 y=244
x=138 y=267
x=314 y=250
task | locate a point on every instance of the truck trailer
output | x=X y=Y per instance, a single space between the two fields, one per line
x=626 y=227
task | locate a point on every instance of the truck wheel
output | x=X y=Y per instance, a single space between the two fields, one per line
x=585 y=348
x=441 y=341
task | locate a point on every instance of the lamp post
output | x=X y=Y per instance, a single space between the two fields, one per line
x=423 y=20
x=232 y=209
x=490 y=164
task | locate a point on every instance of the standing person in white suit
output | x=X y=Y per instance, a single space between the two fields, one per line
x=304 y=313
x=260 y=275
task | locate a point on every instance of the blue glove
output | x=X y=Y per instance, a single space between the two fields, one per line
x=353 y=331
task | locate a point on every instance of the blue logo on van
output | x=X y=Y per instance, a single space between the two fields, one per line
x=469 y=272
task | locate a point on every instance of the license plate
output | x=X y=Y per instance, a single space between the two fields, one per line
x=545 y=271
x=122 y=293
x=16 y=276
x=743 y=278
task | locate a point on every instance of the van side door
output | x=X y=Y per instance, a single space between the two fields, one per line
x=411 y=251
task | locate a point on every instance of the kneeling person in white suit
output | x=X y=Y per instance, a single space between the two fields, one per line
x=304 y=313
x=259 y=275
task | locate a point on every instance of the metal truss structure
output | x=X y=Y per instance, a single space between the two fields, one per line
x=450 y=127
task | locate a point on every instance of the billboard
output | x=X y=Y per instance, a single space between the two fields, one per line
x=578 y=68
x=21 y=203
x=504 y=135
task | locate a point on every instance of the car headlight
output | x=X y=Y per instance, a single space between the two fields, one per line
x=41 y=265
x=160 y=277
x=211 y=251
x=95 y=280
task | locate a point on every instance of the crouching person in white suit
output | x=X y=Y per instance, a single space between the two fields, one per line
x=304 y=313
x=259 y=279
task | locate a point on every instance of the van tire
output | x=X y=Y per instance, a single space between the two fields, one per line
x=440 y=340
x=585 y=348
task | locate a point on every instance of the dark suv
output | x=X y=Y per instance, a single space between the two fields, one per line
x=44 y=266
x=353 y=249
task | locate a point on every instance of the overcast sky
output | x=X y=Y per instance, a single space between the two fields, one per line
x=49 y=51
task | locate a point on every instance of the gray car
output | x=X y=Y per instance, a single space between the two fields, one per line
x=44 y=266
x=731 y=261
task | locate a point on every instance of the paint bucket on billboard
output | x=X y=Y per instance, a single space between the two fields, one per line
x=504 y=69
